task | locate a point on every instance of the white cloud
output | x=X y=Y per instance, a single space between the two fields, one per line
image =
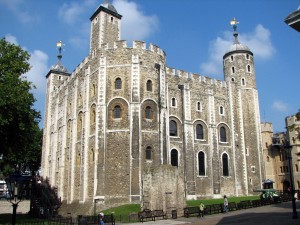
x=11 y=39
x=17 y=7
x=280 y=106
x=74 y=15
x=135 y=20
x=259 y=42
x=71 y=13
x=38 y=71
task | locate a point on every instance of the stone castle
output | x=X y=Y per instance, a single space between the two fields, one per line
x=123 y=111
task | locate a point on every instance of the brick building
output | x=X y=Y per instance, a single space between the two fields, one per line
x=124 y=110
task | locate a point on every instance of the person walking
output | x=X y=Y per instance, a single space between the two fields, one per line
x=201 y=206
x=225 y=204
x=101 y=217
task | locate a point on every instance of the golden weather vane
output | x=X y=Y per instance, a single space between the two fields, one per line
x=234 y=23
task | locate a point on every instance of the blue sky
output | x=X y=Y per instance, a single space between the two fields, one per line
x=193 y=33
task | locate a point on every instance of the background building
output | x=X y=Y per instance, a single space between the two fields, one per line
x=275 y=157
x=123 y=111
x=293 y=20
x=293 y=133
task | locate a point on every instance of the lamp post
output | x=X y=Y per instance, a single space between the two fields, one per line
x=95 y=203
x=289 y=149
x=16 y=185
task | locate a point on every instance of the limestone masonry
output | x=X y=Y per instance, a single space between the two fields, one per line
x=123 y=112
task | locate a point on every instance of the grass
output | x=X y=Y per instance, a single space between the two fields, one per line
x=123 y=211
x=220 y=200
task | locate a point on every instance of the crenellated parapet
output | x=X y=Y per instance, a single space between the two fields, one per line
x=195 y=77
x=122 y=44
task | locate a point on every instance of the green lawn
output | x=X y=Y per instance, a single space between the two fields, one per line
x=220 y=200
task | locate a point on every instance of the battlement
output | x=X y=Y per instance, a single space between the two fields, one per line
x=135 y=45
x=195 y=77
x=266 y=127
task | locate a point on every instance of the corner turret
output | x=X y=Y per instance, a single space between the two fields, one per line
x=59 y=68
x=105 y=26
x=238 y=63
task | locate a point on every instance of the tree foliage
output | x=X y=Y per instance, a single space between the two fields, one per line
x=20 y=136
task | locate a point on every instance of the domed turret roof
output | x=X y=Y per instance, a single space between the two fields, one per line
x=236 y=46
x=59 y=67
x=109 y=6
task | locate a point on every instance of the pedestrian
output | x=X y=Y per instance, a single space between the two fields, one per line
x=225 y=204
x=201 y=206
x=101 y=218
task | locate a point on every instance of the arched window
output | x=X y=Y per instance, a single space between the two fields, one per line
x=243 y=81
x=91 y=155
x=201 y=163
x=93 y=115
x=69 y=129
x=221 y=110
x=117 y=112
x=69 y=108
x=232 y=70
x=268 y=159
x=79 y=100
x=93 y=90
x=225 y=165
x=223 y=137
x=249 y=68
x=173 y=102
x=174 y=157
x=296 y=168
x=199 y=132
x=118 y=83
x=173 y=128
x=149 y=85
x=148 y=112
x=198 y=107
x=148 y=153
x=79 y=122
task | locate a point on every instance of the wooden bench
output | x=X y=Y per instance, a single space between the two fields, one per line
x=216 y=208
x=212 y=209
x=145 y=214
x=159 y=213
x=191 y=210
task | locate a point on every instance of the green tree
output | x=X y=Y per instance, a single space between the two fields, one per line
x=20 y=136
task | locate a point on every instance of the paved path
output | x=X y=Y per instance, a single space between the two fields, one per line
x=280 y=214
x=5 y=207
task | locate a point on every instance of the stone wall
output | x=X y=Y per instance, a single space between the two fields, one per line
x=163 y=188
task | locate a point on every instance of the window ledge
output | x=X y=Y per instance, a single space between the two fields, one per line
x=202 y=140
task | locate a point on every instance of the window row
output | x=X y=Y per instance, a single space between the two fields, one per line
x=202 y=163
x=118 y=84
x=199 y=131
x=243 y=81
x=198 y=106
x=117 y=112
x=247 y=57
x=248 y=69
